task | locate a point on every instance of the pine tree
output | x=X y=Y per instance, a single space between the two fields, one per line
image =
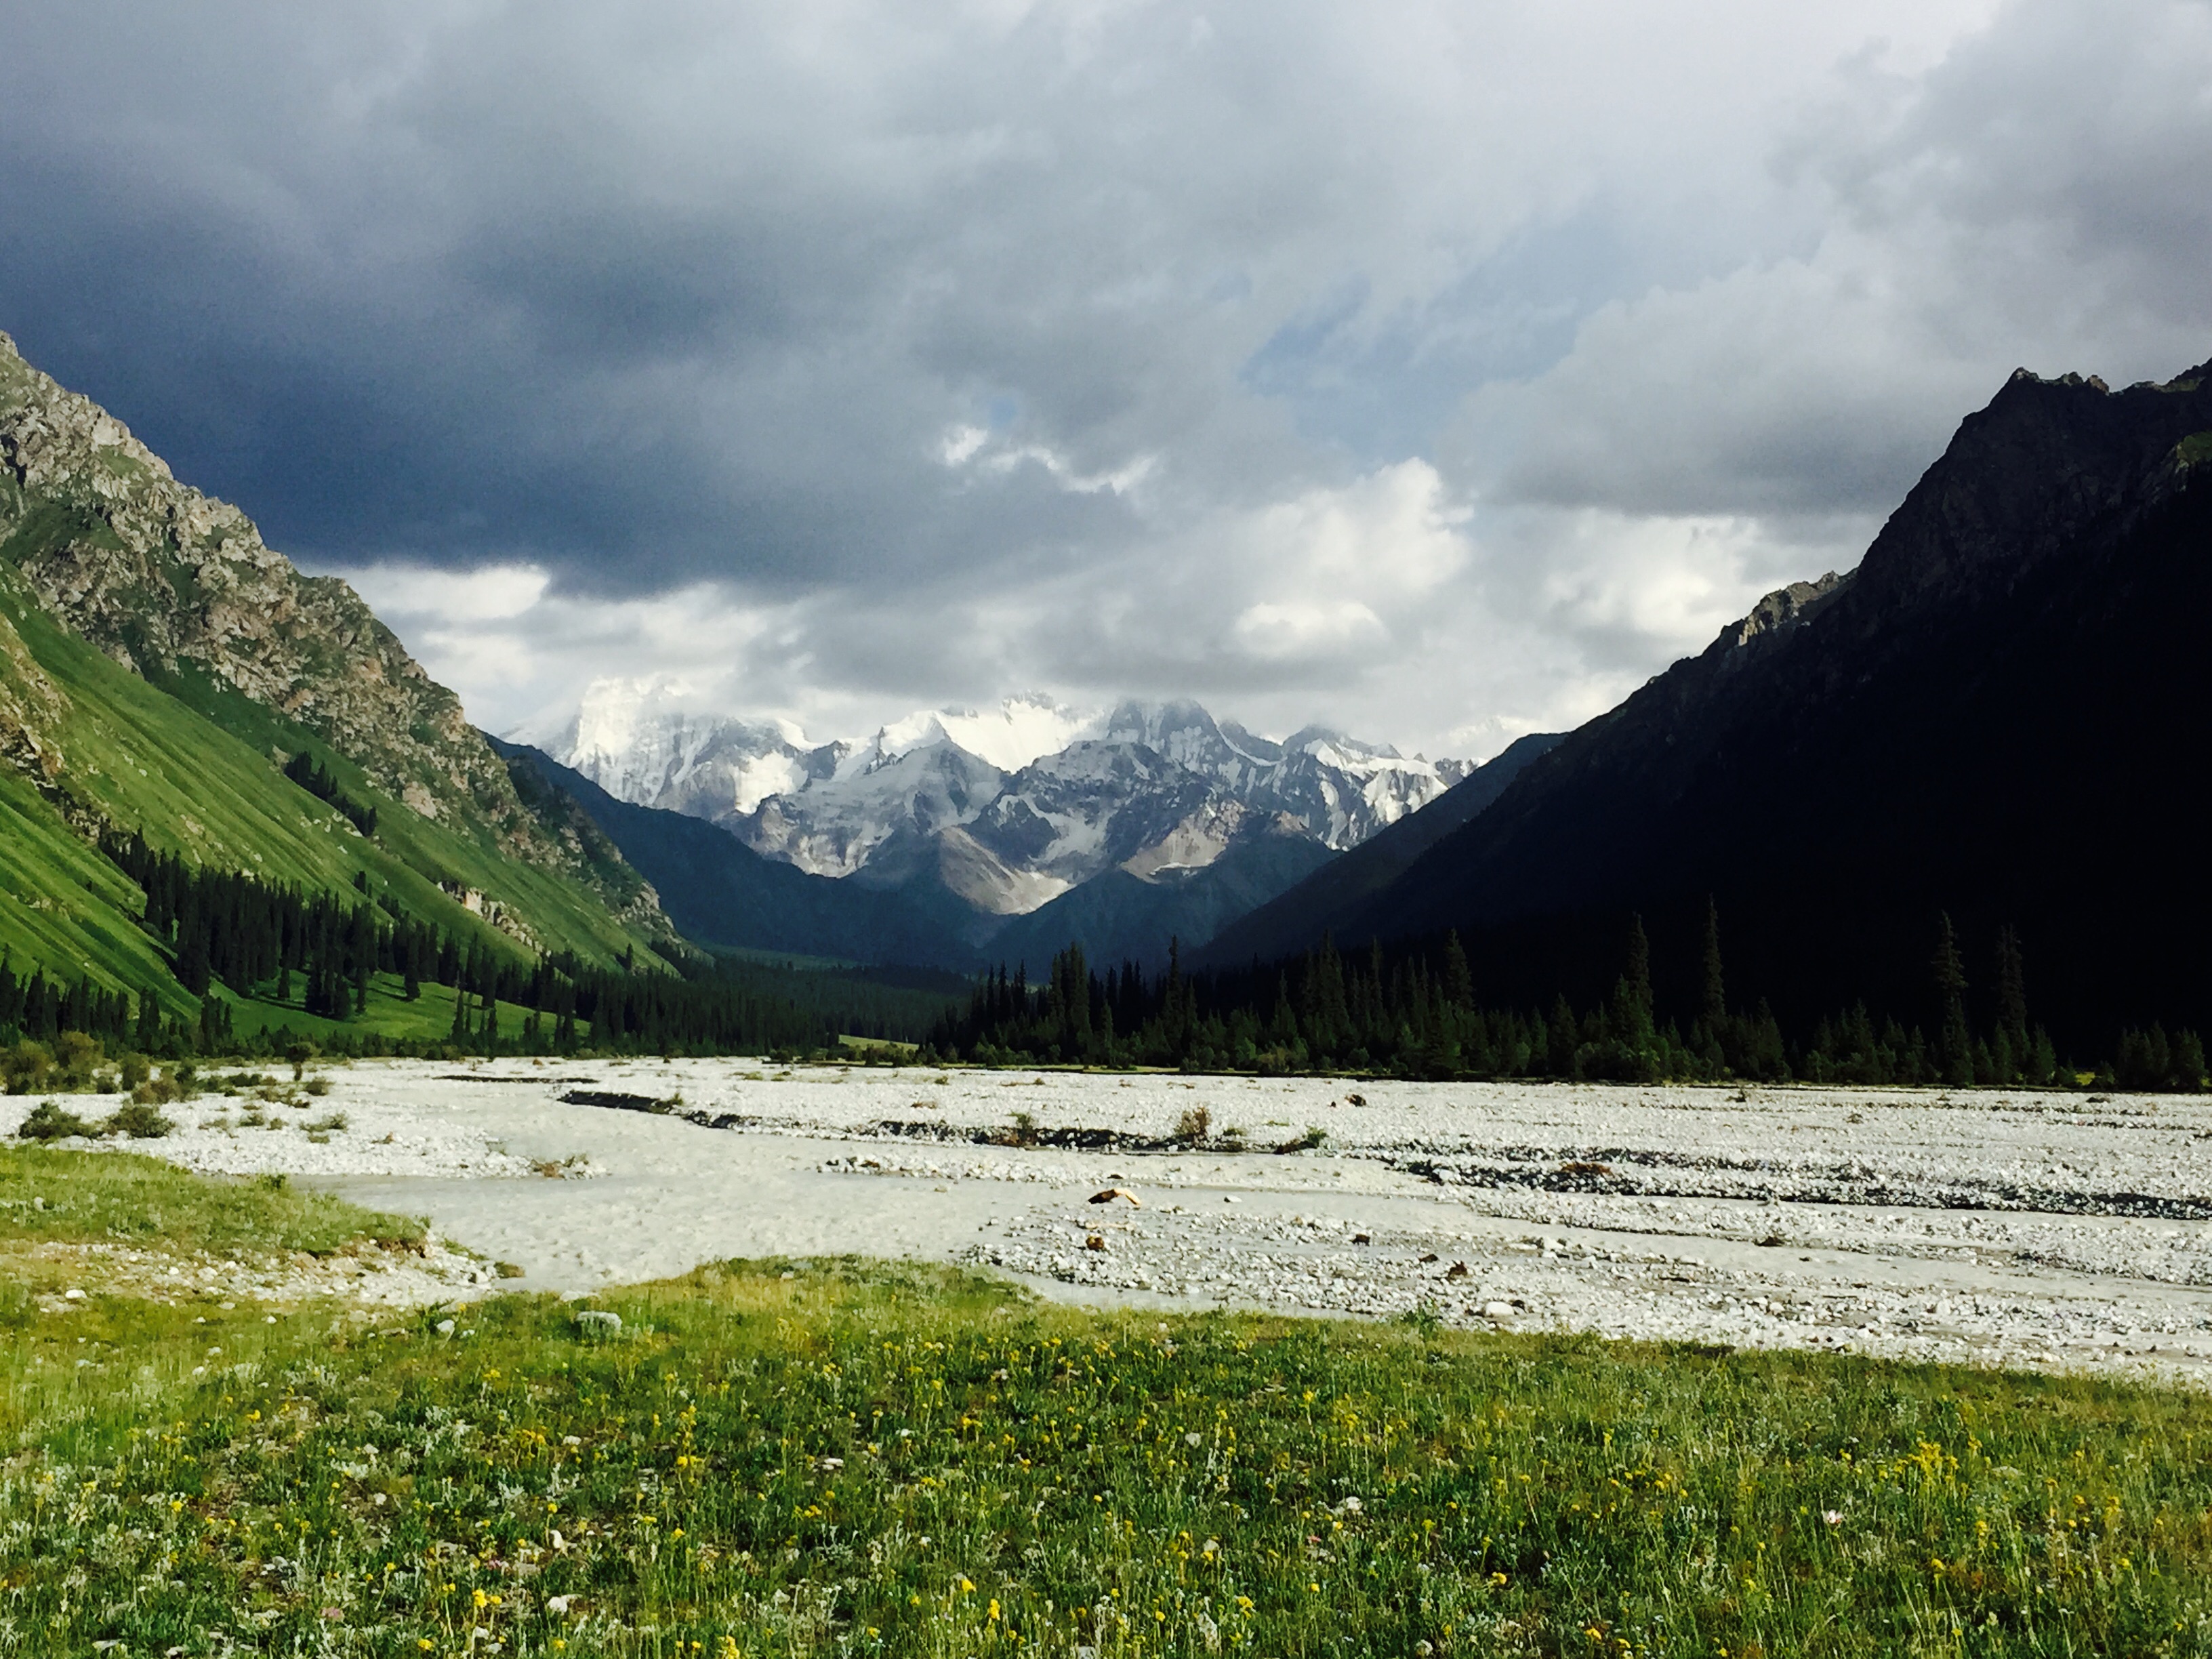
x=1955 y=1048
x=1459 y=978
x=2012 y=990
x=1712 y=999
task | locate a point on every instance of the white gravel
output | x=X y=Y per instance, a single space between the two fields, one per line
x=2052 y=1230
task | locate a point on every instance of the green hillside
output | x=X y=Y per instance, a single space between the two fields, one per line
x=65 y=908
x=427 y=1018
x=132 y=754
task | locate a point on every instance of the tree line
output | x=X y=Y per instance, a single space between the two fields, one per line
x=1416 y=1012
x=261 y=938
x=304 y=770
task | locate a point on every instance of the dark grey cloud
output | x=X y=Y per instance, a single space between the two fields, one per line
x=1425 y=367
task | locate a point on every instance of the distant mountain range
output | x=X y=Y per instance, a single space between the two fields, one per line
x=1014 y=830
x=2003 y=715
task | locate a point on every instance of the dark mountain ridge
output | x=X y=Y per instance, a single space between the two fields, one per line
x=1330 y=899
x=2002 y=714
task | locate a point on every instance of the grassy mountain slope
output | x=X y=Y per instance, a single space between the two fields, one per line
x=65 y=908
x=160 y=663
x=126 y=753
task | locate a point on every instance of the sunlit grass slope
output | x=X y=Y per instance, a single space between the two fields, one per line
x=831 y=1458
x=146 y=761
x=65 y=908
x=427 y=1018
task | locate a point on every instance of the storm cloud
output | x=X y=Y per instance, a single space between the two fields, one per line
x=1437 y=370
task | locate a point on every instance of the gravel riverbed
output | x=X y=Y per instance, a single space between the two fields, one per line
x=2064 y=1231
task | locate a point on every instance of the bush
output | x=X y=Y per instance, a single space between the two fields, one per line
x=25 y=1065
x=139 y=1121
x=156 y=1092
x=75 y=1054
x=1194 y=1125
x=48 y=1122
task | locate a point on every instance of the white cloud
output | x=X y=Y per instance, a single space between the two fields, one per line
x=1432 y=370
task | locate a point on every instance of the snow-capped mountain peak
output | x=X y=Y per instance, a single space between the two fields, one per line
x=1015 y=731
x=1042 y=797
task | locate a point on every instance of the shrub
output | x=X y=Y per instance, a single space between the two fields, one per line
x=25 y=1065
x=138 y=1119
x=1194 y=1125
x=156 y=1092
x=48 y=1122
x=75 y=1054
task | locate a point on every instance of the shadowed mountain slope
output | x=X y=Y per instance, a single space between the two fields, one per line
x=719 y=891
x=1122 y=916
x=1329 y=900
x=2002 y=714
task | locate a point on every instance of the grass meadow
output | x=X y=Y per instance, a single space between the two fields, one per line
x=851 y=1457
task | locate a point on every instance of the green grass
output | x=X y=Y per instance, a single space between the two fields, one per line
x=48 y=1196
x=147 y=760
x=847 y=1457
x=428 y=1019
x=65 y=908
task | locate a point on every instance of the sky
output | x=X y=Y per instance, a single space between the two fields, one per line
x=1437 y=371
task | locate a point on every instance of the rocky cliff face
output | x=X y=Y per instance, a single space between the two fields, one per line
x=181 y=589
x=31 y=708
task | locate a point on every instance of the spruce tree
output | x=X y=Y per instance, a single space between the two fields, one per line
x=2012 y=990
x=1956 y=1046
x=149 y=1036
x=193 y=969
x=1713 y=1000
x=1459 y=978
x=1636 y=1005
